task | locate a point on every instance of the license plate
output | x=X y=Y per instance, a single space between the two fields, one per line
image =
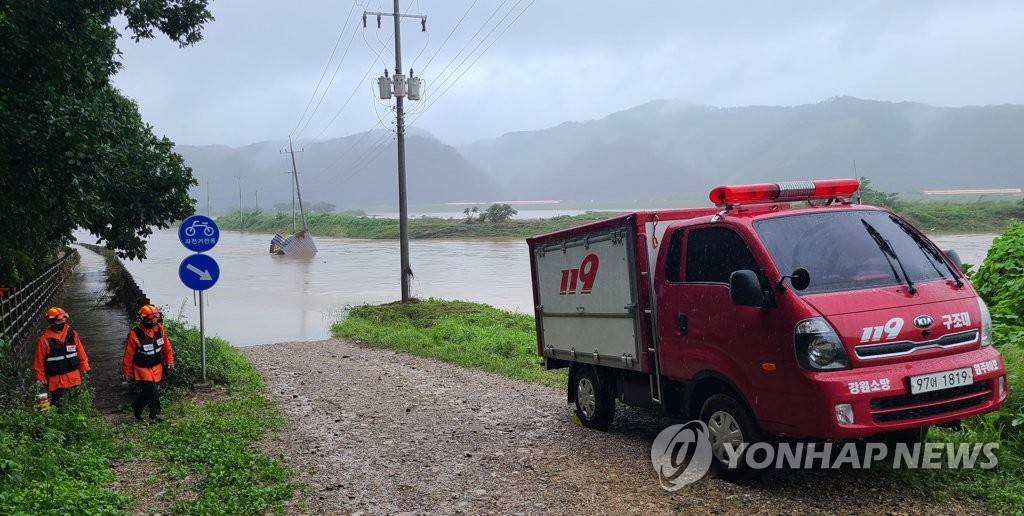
x=939 y=381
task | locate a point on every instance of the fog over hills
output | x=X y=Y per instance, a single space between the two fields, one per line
x=666 y=149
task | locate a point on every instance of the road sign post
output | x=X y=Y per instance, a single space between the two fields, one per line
x=198 y=271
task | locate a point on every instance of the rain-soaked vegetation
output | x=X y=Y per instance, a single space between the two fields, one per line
x=981 y=215
x=205 y=458
x=1000 y=282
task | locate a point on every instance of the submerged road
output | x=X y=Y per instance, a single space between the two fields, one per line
x=101 y=326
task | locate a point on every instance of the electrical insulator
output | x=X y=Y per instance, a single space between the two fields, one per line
x=384 y=85
x=415 y=87
x=399 y=83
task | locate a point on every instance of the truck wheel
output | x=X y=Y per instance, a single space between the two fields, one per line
x=595 y=405
x=730 y=423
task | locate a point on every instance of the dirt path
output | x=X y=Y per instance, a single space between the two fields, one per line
x=382 y=432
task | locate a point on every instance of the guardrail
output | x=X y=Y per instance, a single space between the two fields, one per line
x=21 y=307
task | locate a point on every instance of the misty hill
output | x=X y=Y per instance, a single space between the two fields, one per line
x=355 y=172
x=675 y=149
x=665 y=149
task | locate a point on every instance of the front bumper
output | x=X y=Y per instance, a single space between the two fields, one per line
x=881 y=400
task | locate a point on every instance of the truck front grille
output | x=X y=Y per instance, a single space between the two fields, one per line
x=927 y=404
x=906 y=347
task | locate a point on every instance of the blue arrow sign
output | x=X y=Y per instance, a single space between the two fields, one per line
x=199 y=271
x=198 y=233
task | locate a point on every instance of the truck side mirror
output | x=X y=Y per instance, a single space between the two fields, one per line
x=799 y=280
x=745 y=289
x=955 y=257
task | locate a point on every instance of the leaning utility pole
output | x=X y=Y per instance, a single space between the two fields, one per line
x=400 y=88
x=295 y=177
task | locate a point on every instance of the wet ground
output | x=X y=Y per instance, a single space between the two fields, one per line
x=101 y=327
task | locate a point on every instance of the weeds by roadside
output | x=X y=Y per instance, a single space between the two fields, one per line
x=463 y=333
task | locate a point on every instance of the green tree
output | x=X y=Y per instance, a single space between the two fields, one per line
x=74 y=151
x=322 y=207
x=874 y=197
x=497 y=212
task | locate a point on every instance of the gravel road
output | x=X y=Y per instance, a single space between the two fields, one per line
x=379 y=432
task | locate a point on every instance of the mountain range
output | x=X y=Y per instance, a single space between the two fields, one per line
x=661 y=150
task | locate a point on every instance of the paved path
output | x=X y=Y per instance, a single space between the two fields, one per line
x=101 y=327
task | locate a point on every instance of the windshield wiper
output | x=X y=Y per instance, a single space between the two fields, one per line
x=889 y=252
x=928 y=248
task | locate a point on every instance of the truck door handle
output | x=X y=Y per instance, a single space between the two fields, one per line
x=681 y=322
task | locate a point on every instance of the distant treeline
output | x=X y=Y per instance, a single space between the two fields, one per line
x=932 y=217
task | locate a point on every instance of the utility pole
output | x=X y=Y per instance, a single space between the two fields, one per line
x=400 y=88
x=257 y=201
x=208 y=199
x=295 y=176
x=239 y=203
x=293 y=203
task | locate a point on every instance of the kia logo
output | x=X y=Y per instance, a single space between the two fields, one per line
x=923 y=321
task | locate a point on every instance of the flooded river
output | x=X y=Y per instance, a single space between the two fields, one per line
x=261 y=298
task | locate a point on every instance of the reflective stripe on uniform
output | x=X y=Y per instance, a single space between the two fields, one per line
x=69 y=355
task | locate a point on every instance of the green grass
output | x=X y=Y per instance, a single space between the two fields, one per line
x=202 y=457
x=214 y=440
x=1002 y=488
x=58 y=462
x=981 y=216
x=351 y=226
x=467 y=334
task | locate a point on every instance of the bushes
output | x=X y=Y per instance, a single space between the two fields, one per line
x=57 y=462
x=1000 y=282
x=225 y=365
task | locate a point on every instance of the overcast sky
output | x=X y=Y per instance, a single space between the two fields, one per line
x=492 y=67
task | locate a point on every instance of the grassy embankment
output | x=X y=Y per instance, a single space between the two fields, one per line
x=352 y=226
x=479 y=336
x=201 y=459
x=982 y=216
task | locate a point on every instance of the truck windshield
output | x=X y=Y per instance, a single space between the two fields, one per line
x=842 y=250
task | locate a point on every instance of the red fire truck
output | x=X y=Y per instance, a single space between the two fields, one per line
x=785 y=310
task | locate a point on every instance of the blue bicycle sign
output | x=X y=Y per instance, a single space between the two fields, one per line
x=196 y=224
x=198 y=233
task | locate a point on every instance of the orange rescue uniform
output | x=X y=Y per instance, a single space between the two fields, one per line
x=65 y=380
x=153 y=373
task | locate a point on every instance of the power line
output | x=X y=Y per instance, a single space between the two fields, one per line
x=335 y=74
x=327 y=66
x=438 y=97
x=431 y=60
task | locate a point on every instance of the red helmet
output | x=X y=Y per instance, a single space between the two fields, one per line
x=149 y=312
x=56 y=314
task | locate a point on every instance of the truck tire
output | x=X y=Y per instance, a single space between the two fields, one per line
x=595 y=404
x=729 y=422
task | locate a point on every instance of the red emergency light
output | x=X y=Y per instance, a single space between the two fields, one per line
x=783 y=192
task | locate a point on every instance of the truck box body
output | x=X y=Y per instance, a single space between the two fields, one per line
x=669 y=308
x=609 y=325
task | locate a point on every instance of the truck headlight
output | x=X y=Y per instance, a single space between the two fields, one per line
x=986 y=324
x=818 y=347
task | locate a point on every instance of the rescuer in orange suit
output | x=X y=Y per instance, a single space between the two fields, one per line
x=60 y=359
x=147 y=350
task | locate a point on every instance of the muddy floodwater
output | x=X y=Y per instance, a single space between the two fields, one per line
x=261 y=298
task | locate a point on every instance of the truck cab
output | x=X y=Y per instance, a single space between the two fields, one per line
x=788 y=311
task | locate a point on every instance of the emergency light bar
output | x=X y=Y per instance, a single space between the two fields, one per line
x=783 y=192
